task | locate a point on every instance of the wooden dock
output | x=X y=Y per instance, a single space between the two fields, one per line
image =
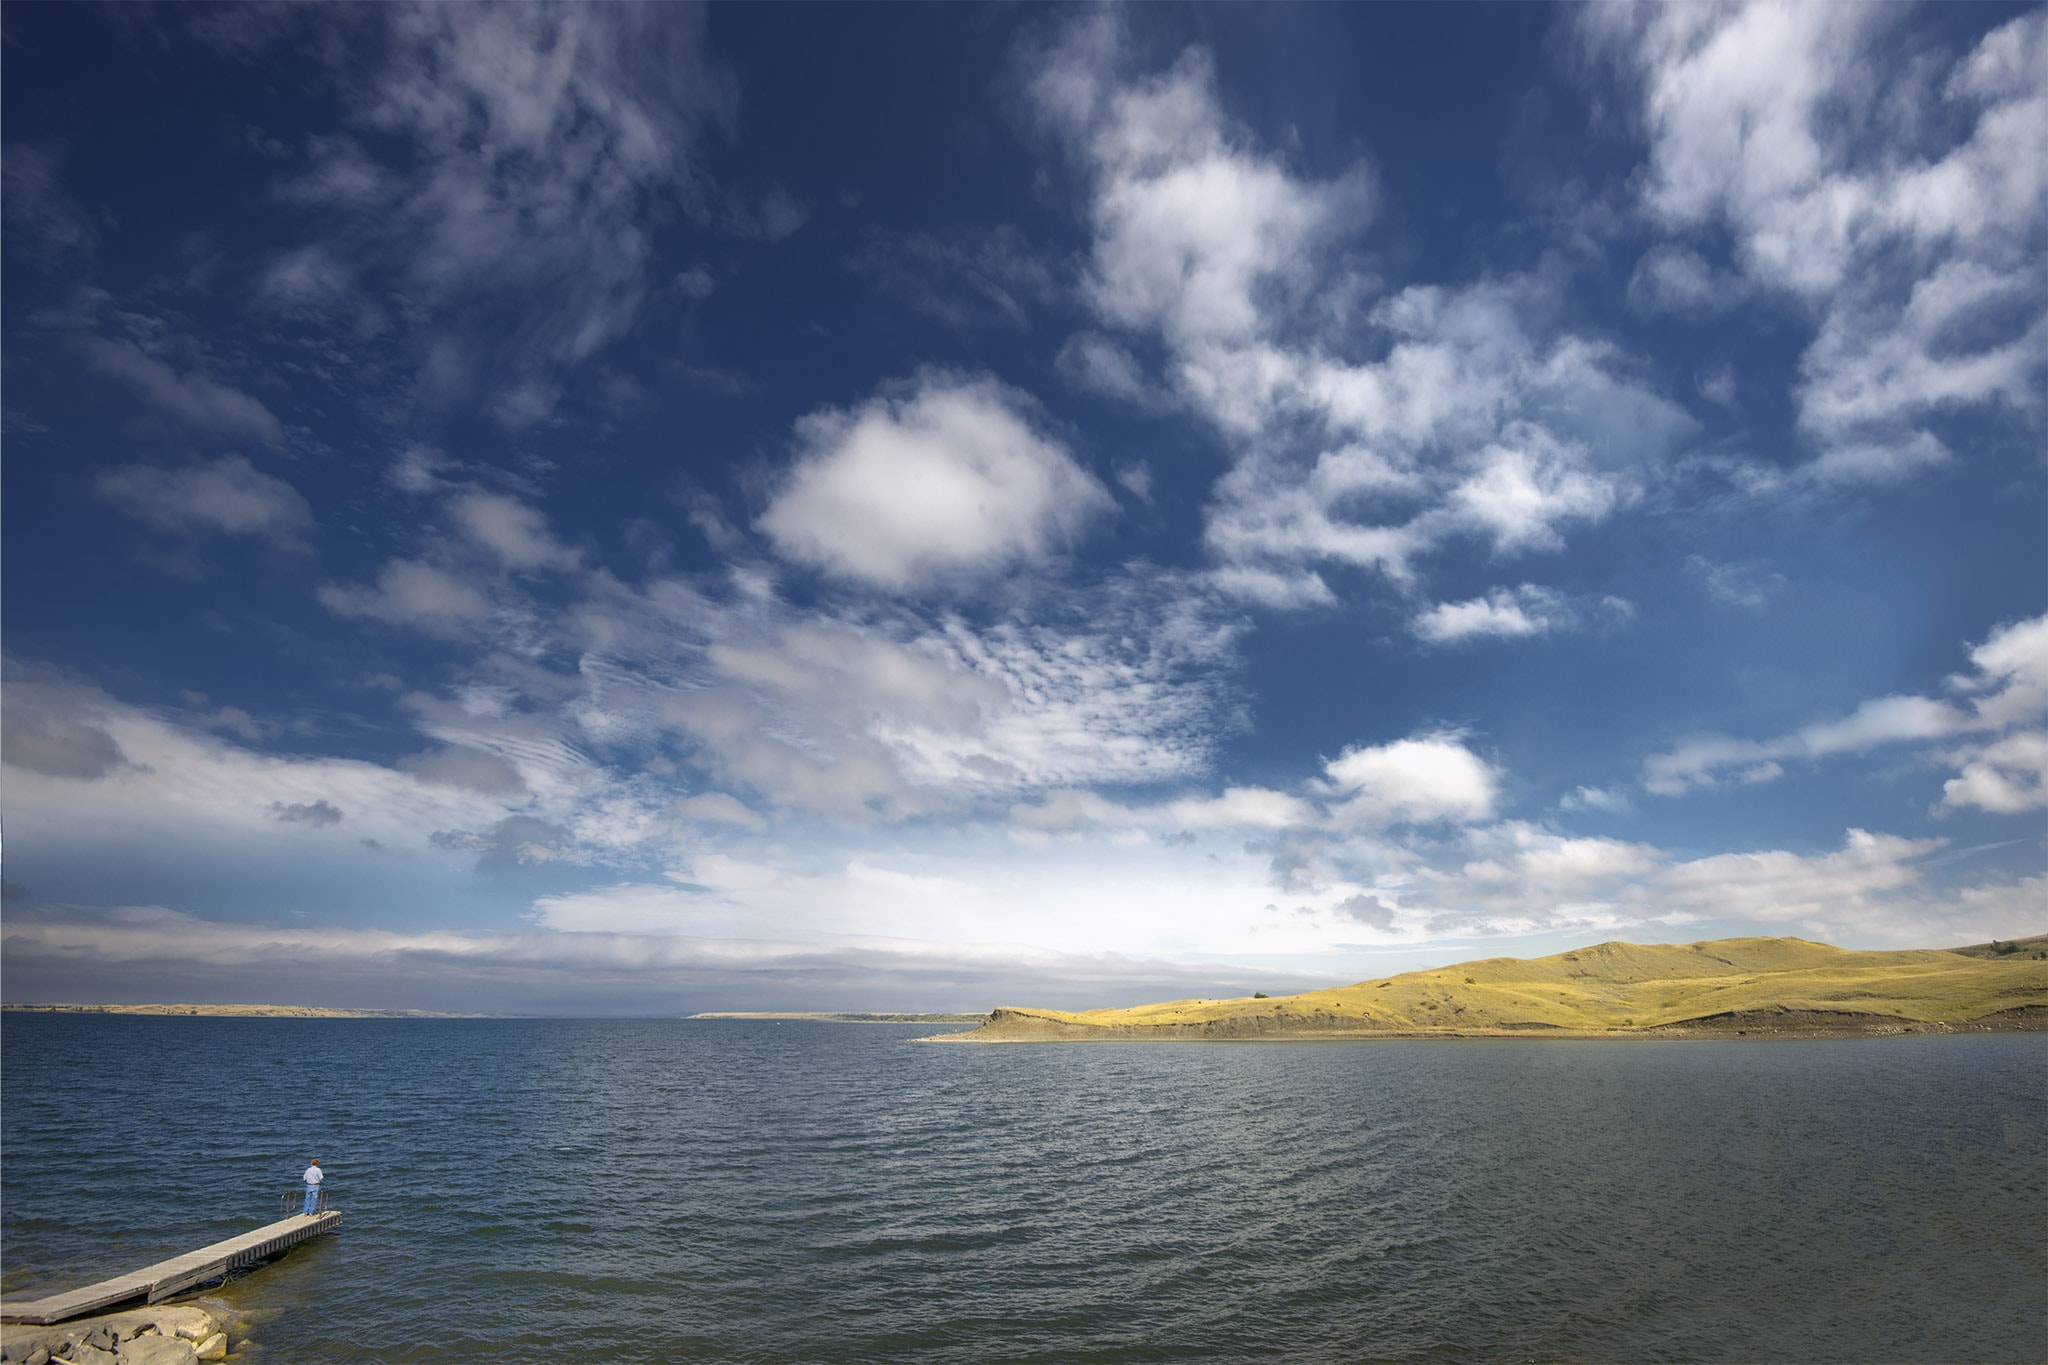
x=158 y=1282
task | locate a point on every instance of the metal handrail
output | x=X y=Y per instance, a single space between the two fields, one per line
x=294 y=1201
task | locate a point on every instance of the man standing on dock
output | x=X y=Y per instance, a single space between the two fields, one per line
x=312 y=1179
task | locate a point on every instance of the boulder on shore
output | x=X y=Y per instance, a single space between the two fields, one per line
x=164 y=1334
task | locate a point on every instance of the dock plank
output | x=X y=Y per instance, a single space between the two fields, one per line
x=158 y=1282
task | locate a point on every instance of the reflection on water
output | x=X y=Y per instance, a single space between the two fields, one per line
x=751 y=1191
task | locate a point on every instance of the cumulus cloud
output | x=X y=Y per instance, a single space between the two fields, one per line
x=228 y=495
x=2005 y=777
x=1919 y=252
x=1505 y=612
x=1425 y=778
x=1365 y=428
x=513 y=533
x=1367 y=910
x=413 y=594
x=949 y=479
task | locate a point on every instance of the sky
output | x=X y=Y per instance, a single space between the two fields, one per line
x=612 y=510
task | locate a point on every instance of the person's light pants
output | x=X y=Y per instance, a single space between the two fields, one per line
x=312 y=1199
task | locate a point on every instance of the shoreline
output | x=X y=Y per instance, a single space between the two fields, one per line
x=160 y=1334
x=1021 y=1026
x=847 y=1016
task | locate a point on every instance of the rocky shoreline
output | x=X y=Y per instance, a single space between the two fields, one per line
x=162 y=1334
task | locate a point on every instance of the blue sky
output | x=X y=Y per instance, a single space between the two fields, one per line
x=612 y=510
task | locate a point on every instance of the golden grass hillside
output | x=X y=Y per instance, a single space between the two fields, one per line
x=1737 y=985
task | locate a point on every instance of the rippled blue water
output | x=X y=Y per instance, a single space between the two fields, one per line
x=750 y=1191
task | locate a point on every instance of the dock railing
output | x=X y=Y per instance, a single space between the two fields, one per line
x=294 y=1201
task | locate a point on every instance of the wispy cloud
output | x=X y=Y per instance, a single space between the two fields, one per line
x=2006 y=698
x=1512 y=613
x=229 y=496
x=494 y=186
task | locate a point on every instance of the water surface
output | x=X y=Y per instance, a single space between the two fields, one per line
x=537 y=1190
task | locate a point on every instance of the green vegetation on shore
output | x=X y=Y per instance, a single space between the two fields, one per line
x=1728 y=986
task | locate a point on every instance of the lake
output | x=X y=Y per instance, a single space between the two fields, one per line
x=726 y=1190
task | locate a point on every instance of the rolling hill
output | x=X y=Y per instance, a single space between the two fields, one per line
x=1727 y=987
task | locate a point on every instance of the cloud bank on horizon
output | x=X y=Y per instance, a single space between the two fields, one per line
x=586 y=509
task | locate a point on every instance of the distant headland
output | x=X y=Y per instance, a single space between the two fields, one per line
x=844 y=1017
x=240 y=1011
x=1726 y=988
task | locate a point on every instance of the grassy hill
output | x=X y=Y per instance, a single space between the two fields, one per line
x=1737 y=985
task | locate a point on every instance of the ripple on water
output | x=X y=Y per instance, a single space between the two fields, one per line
x=624 y=1191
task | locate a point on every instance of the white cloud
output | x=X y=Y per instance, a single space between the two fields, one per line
x=2007 y=776
x=1678 y=280
x=1873 y=890
x=719 y=809
x=1837 y=889
x=1270 y=588
x=1236 y=808
x=1737 y=583
x=2009 y=689
x=2011 y=684
x=134 y=951
x=46 y=223
x=1918 y=249
x=1417 y=780
x=1527 y=610
x=1095 y=363
x=1191 y=226
x=495 y=182
x=164 y=783
x=475 y=769
x=1519 y=492
x=948 y=480
x=414 y=594
x=515 y=534
x=1597 y=798
x=194 y=398
x=1510 y=613
x=228 y=495
x=1364 y=429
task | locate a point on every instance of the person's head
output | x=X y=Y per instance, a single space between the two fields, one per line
x=316 y=1161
